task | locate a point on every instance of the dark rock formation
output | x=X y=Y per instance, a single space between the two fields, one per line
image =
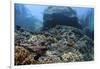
x=60 y=16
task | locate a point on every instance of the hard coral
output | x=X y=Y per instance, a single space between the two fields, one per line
x=72 y=57
x=23 y=56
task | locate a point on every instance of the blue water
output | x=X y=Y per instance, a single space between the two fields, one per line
x=30 y=17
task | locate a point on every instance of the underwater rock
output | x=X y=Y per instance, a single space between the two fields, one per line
x=60 y=16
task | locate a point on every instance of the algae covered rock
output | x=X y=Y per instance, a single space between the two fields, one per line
x=60 y=16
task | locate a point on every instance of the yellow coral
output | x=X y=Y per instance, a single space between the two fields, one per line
x=23 y=56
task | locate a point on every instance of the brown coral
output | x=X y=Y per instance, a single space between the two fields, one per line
x=23 y=56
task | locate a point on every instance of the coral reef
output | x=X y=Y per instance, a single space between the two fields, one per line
x=53 y=35
x=57 y=44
